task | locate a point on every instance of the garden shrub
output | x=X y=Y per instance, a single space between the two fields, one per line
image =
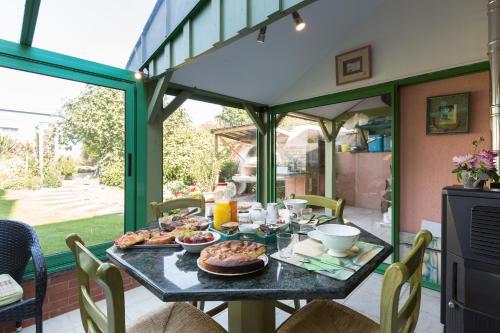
x=112 y=173
x=66 y=166
x=228 y=169
x=51 y=176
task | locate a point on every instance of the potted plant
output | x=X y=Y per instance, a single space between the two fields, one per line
x=474 y=169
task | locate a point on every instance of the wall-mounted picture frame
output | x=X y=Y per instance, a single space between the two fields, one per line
x=448 y=114
x=354 y=65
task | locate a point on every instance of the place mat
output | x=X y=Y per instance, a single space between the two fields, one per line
x=325 y=264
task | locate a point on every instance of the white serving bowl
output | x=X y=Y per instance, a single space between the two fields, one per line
x=338 y=238
x=248 y=228
x=197 y=247
x=297 y=204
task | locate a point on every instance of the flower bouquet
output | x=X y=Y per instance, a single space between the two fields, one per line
x=475 y=168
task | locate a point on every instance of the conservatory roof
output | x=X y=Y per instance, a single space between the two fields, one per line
x=296 y=65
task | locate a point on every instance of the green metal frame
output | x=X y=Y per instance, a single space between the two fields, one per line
x=391 y=88
x=31 y=9
x=33 y=60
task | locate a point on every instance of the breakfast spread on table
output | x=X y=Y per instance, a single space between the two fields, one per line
x=173 y=222
x=232 y=257
x=144 y=237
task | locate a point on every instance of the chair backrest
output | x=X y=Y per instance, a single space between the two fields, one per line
x=108 y=277
x=336 y=205
x=158 y=209
x=16 y=241
x=393 y=320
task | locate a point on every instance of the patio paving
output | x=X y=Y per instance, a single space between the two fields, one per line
x=364 y=299
x=75 y=199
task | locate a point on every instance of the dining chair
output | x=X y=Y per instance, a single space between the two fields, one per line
x=336 y=205
x=168 y=318
x=329 y=316
x=158 y=209
x=18 y=243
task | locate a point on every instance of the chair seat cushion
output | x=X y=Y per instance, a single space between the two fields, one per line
x=176 y=317
x=10 y=290
x=328 y=317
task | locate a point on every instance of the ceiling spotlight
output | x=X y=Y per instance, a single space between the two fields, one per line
x=261 y=38
x=299 y=23
x=138 y=75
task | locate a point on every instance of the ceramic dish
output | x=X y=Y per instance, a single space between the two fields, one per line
x=263 y=257
x=314 y=235
x=197 y=247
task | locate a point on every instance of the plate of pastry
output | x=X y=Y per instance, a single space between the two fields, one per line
x=146 y=239
x=233 y=258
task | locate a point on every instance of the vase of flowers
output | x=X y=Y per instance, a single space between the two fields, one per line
x=474 y=169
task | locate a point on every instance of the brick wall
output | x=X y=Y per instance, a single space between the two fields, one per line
x=62 y=295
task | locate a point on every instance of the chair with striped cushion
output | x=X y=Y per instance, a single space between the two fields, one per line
x=332 y=317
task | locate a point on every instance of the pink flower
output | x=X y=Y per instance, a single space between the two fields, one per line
x=463 y=161
x=485 y=159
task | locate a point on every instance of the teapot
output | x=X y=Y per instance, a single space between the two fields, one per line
x=258 y=214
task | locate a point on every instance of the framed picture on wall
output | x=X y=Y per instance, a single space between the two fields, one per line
x=448 y=114
x=354 y=65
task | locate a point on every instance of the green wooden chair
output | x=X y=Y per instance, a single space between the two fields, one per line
x=169 y=318
x=337 y=206
x=158 y=209
x=329 y=316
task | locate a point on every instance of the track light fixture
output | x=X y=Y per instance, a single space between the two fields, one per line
x=299 y=22
x=261 y=38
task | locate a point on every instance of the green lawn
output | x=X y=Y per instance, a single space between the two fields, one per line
x=93 y=230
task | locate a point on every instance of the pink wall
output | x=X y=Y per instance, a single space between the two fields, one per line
x=425 y=160
x=360 y=178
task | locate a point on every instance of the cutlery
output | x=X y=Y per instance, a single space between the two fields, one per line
x=325 y=262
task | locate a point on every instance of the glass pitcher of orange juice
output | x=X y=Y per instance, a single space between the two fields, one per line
x=222 y=209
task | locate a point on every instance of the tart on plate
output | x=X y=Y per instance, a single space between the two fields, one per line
x=231 y=257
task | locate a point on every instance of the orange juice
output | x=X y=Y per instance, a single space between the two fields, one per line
x=222 y=214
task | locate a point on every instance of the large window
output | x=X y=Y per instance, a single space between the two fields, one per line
x=300 y=158
x=205 y=143
x=62 y=158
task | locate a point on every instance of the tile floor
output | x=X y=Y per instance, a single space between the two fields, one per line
x=364 y=299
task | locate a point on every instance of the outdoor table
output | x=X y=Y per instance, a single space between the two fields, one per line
x=172 y=274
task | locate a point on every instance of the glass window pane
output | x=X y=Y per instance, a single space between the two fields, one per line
x=11 y=19
x=61 y=158
x=101 y=31
x=204 y=143
x=300 y=158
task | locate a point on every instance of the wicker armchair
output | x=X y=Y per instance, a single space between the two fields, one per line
x=18 y=243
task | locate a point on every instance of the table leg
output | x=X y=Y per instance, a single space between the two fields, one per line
x=251 y=316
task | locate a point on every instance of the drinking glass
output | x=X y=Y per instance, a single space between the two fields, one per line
x=285 y=244
x=307 y=213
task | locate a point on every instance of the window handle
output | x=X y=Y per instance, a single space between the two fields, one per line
x=129 y=165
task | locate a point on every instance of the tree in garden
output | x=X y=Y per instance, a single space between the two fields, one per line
x=230 y=117
x=188 y=153
x=96 y=118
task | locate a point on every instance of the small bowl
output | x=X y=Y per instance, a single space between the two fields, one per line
x=338 y=238
x=248 y=228
x=230 y=227
x=197 y=247
x=270 y=229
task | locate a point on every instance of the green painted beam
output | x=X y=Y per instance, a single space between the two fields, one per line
x=60 y=63
x=324 y=130
x=174 y=105
x=156 y=101
x=254 y=115
x=31 y=8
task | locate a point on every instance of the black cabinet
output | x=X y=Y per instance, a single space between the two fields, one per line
x=470 y=293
